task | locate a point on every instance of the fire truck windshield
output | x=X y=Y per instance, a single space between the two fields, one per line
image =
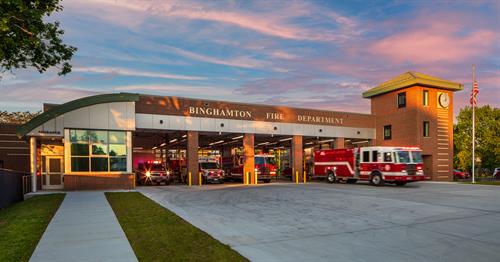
x=416 y=156
x=209 y=165
x=261 y=160
x=404 y=156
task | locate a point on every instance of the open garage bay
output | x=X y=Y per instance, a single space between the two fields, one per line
x=339 y=222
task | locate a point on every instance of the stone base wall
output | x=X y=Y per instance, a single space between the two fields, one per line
x=99 y=181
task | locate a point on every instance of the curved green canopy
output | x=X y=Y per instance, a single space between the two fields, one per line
x=73 y=105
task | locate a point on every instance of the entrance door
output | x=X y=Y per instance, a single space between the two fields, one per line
x=428 y=166
x=54 y=172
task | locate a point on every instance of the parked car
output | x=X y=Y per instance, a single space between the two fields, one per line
x=153 y=172
x=496 y=173
x=459 y=174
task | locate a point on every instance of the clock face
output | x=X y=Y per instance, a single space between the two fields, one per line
x=444 y=100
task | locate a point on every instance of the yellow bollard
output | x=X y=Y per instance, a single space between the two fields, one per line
x=305 y=177
x=256 y=178
x=199 y=178
x=247 y=178
x=189 y=178
x=296 y=177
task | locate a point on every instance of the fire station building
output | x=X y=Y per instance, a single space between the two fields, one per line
x=97 y=142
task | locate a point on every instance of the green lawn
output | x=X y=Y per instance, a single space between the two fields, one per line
x=22 y=225
x=157 y=234
x=491 y=183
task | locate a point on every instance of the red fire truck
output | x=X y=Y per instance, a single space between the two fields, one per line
x=265 y=168
x=379 y=165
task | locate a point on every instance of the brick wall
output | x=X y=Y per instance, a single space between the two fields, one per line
x=407 y=127
x=14 y=152
x=99 y=181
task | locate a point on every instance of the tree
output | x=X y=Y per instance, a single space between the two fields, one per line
x=27 y=40
x=487 y=138
x=17 y=117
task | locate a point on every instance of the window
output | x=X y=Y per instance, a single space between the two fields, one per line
x=426 y=128
x=402 y=100
x=387 y=132
x=375 y=156
x=387 y=157
x=366 y=156
x=425 y=98
x=98 y=151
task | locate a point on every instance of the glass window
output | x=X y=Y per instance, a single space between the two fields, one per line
x=426 y=129
x=375 y=156
x=387 y=157
x=80 y=164
x=98 y=137
x=79 y=149
x=259 y=161
x=209 y=165
x=117 y=137
x=99 y=164
x=425 y=98
x=117 y=150
x=118 y=164
x=403 y=156
x=402 y=100
x=416 y=156
x=366 y=156
x=99 y=149
x=78 y=136
x=387 y=132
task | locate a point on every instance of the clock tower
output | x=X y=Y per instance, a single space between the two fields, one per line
x=415 y=109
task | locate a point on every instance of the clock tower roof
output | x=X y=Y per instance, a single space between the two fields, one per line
x=412 y=78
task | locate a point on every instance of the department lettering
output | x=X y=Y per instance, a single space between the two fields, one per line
x=320 y=119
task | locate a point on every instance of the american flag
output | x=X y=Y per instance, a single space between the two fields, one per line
x=473 y=95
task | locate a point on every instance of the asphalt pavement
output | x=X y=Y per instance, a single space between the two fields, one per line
x=340 y=222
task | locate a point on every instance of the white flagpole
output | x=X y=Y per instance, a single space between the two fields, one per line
x=473 y=124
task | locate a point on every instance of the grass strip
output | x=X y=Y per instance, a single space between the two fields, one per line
x=491 y=183
x=157 y=234
x=22 y=225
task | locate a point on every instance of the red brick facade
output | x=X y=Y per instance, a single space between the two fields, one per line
x=407 y=126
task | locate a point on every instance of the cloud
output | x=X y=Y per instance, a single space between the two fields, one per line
x=433 y=42
x=299 y=84
x=242 y=61
x=283 y=55
x=177 y=89
x=276 y=21
x=131 y=72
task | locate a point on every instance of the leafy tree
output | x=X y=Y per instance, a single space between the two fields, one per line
x=487 y=138
x=27 y=40
x=17 y=117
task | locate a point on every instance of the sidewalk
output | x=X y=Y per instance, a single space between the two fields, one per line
x=84 y=229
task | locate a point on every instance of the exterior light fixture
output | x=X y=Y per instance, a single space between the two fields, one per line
x=238 y=137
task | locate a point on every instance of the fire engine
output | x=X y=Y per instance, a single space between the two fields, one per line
x=265 y=168
x=211 y=170
x=379 y=165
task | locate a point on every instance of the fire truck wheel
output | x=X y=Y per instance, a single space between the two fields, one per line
x=377 y=180
x=331 y=178
x=267 y=181
x=400 y=183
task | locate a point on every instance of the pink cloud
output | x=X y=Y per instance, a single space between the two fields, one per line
x=437 y=43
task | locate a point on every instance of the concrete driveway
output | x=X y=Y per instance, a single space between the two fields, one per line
x=325 y=222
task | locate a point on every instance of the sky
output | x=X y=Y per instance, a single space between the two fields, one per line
x=312 y=54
